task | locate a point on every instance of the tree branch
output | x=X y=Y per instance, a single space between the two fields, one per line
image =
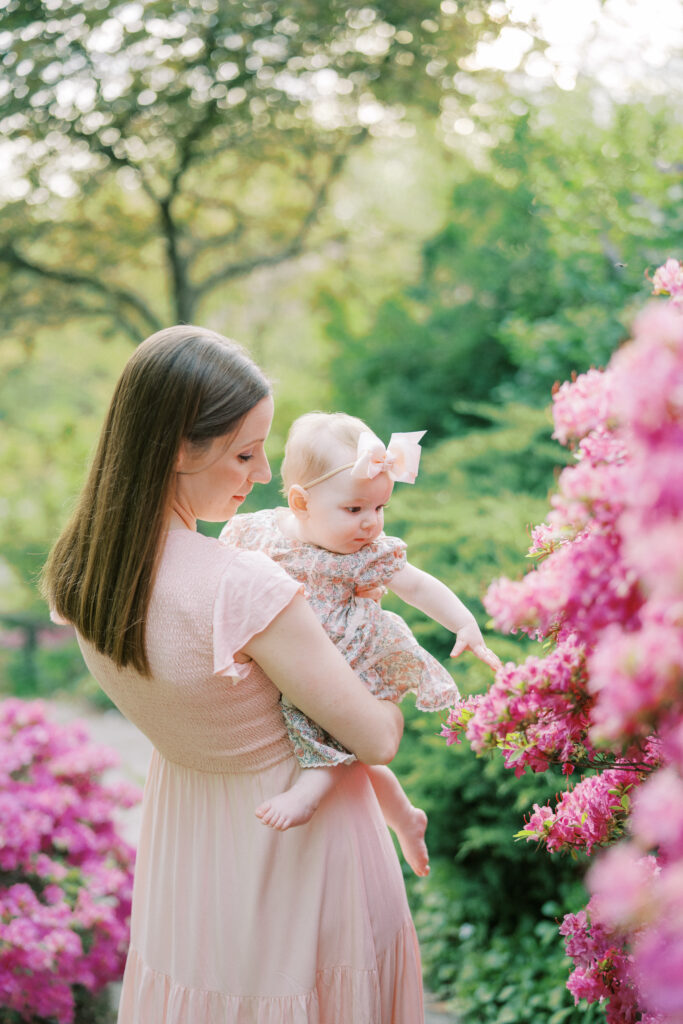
x=183 y=294
x=294 y=247
x=119 y=296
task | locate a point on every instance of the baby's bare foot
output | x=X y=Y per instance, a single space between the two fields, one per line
x=411 y=837
x=286 y=810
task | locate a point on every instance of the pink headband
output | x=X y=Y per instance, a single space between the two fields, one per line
x=400 y=459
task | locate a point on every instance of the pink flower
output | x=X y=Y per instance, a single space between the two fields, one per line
x=67 y=923
x=649 y=552
x=658 y=956
x=606 y=595
x=668 y=279
x=606 y=446
x=603 y=969
x=621 y=883
x=589 y=814
x=582 y=405
x=657 y=817
x=633 y=674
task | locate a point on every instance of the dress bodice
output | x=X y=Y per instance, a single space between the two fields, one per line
x=201 y=708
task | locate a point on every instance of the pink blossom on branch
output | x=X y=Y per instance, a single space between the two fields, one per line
x=65 y=872
x=591 y=813
x=633 y=675
x=582 y=405
x=580 y=588
x=603 y=968
x=608 y=583
x=640 y=898
x=535 y=713
x=668 y=280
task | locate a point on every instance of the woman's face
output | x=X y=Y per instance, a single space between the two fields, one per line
x=212 y=484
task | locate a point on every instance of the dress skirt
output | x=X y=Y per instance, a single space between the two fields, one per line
x=235 y=923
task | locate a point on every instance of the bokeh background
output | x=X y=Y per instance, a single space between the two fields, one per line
x=422 y=213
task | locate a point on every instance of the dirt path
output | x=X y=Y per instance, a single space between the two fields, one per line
x=110 y=729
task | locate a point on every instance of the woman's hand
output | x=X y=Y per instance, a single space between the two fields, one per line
x=469 y=637
x=373 y=591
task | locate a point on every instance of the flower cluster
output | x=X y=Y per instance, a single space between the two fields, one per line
x=65 y=872
x=605 y=594
x=589 y=814
x=668 y=280
x=536 y=713
x=604 y=969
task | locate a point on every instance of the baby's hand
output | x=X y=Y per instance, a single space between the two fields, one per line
x=372 y=590
x=469 y=638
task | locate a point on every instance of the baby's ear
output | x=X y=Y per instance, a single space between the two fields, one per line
x=297 y=499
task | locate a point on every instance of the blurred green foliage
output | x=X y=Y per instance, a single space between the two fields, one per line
x=52 y=401
x=489 y=974
x=534 y=275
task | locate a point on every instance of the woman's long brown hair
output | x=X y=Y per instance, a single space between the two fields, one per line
x=181 y=384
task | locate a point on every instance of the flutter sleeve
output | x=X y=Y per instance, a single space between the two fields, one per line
x=384 y=557
x=251 y=592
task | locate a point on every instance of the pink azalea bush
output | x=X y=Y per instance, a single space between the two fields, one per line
x=65 y=872
x=605 y=698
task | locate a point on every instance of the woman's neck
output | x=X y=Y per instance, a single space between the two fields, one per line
x=180 y=519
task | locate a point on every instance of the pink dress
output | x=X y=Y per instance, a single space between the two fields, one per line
x=233 y=922
x=377 y=644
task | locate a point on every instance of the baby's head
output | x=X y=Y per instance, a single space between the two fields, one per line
x=317 y=443
x=332 y=509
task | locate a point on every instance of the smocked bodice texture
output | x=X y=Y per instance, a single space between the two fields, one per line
x=201 y=708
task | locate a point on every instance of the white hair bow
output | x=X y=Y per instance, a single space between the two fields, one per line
x=400 y=459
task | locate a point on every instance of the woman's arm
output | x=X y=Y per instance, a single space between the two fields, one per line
x=438 y=601
x=296 y=653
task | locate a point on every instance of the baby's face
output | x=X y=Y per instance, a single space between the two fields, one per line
x=344 y=514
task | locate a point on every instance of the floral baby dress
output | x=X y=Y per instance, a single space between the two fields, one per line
x=377 y=644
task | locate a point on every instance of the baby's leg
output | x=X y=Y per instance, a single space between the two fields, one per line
x=408 y=822
x=297 y=805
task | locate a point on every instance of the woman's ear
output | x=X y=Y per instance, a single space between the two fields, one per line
x=182 y=459
x=297 y=499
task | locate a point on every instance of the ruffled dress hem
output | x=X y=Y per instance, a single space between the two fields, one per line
x=341 y=994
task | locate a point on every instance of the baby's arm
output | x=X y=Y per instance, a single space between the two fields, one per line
x=438 y=601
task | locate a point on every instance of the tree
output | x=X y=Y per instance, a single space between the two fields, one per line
x=163 y=148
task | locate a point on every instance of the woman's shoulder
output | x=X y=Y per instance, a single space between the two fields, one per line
x=197 y=556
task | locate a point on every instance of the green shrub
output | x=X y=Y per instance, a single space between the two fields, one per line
x=486 y=972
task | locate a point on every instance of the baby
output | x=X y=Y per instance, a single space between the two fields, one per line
x=338 y=478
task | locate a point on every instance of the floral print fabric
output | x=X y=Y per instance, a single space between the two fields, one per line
x=377 y=644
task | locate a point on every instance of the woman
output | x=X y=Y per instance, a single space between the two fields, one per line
x=233 y=923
